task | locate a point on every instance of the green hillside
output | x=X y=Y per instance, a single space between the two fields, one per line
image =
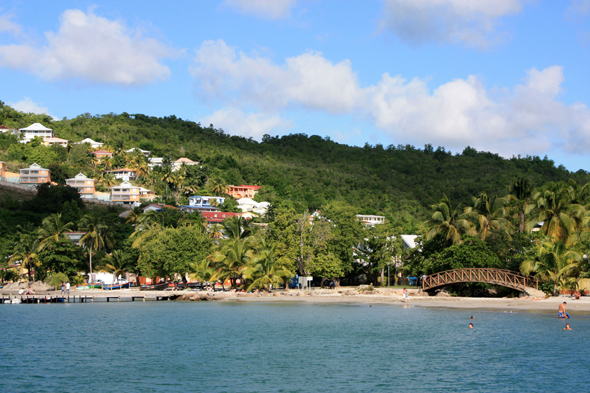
x=400 y=181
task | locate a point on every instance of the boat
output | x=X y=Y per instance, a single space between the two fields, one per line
x=154 y=287
x=117 y=286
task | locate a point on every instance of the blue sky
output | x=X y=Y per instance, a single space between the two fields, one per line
x=507 y=76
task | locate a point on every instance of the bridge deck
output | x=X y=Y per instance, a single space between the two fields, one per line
x=506 y=278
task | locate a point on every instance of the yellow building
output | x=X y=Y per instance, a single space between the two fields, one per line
x=35 y=175
x=85 y=185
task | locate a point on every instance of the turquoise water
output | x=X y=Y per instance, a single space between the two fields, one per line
x=252 y=347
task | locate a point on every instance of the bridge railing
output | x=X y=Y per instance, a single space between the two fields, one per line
x=501 y=277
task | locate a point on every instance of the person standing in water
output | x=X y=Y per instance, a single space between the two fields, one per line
x=567 y=327
x=470 y=326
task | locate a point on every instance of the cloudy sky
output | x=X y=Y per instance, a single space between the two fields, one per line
x=507 y=76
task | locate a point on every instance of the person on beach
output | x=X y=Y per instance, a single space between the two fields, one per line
x=63 y=289
x=68 y=288
x=567 y=327
x=470 y=326
x=405 y=295
x=561 y=313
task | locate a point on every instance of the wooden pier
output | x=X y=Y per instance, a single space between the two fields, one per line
x=48 y=299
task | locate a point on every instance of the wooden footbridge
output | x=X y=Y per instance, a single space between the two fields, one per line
x=505 y=278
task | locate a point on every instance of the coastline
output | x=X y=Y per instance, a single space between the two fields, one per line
x=344 y=296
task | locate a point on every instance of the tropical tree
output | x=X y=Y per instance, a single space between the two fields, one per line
x=218 y=186
x=237 y=227
x=266 y=269
x=553 y=262
x=117 y=264
x=52 y=230
x=487 y=214
x=447 y=220
x=232 y=259
x=520 y=192
x=552 y=206
x=97 y=235
x=26 y=252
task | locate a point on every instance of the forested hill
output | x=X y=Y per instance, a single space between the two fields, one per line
x=398 y=181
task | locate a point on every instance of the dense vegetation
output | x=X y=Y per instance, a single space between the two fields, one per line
x=484 y=219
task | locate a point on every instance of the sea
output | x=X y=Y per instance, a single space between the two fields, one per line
x=287 y=347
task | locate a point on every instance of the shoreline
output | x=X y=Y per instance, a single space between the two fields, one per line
x=343 y=296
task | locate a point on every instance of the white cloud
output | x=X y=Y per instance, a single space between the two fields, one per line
x=526 y=119
x=27 y=105
x=91 y=48
x=8 y=26
x=253 y=125
x=308 y=80
x=473 y=23
x=267 y=9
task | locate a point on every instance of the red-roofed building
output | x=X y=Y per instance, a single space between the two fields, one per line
x=243 y=191
x=99 y=154
x=218 y=217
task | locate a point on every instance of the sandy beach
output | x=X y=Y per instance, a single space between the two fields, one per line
x=348 y=295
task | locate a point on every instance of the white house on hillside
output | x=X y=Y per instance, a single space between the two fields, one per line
x=371 y=220
x=144 y=152
x=182 y=161
x=93 y=144
x=35 y=130
x=250 y=205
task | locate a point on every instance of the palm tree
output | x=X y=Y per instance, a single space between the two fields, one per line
x=218 y=186
x=553 y=261
x=146 y=224
x=232 y=260
x=216 y=231
x=97 y=235
x=487 y=214
x=26 y=252
x=202 y=271
x=520 y=191
x=266 y=269
x=554 y=208
x=53 y=230
x=237 y=227
x=117 y=264
x=447 y=221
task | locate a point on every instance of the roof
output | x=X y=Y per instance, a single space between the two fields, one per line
x=36 y=166
x=122 y=170
x=101 y=152
x=409 y=240
x=137 y=148
x=246 y=201
x=88 y=140
x=186 y=160
x=218 y=216
x=159 y=206
x=55 y=140
x=80 y=176
x=125 y=184
x=247 y=186
x=36 y=127
x=3 y=127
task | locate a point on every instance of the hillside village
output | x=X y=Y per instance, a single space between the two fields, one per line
x=125 y=190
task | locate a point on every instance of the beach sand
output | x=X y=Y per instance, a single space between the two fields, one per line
x=351 y=296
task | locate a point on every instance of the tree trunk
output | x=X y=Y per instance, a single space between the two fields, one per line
x=383 y=276
x=90 y=254
x=522 y=217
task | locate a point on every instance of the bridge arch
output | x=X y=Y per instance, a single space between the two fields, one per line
x=505 y=278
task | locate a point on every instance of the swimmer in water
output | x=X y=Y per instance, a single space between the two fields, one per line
x=567 y=327
x=470 y=326
x=472 y=317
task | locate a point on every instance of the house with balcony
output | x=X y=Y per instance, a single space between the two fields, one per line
x=35 y=175
x=144 y=152
x=55 y=141
x=203 y=204
x=93 y=144
x=249 y=205
x=370 y=220
x=176 y=165
x=124 y=174
x=243 y=191
x=125 y=194
x=102 y=154
x=35 y=130
x=155 y=161
x=84 y=185
x=146 y=194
